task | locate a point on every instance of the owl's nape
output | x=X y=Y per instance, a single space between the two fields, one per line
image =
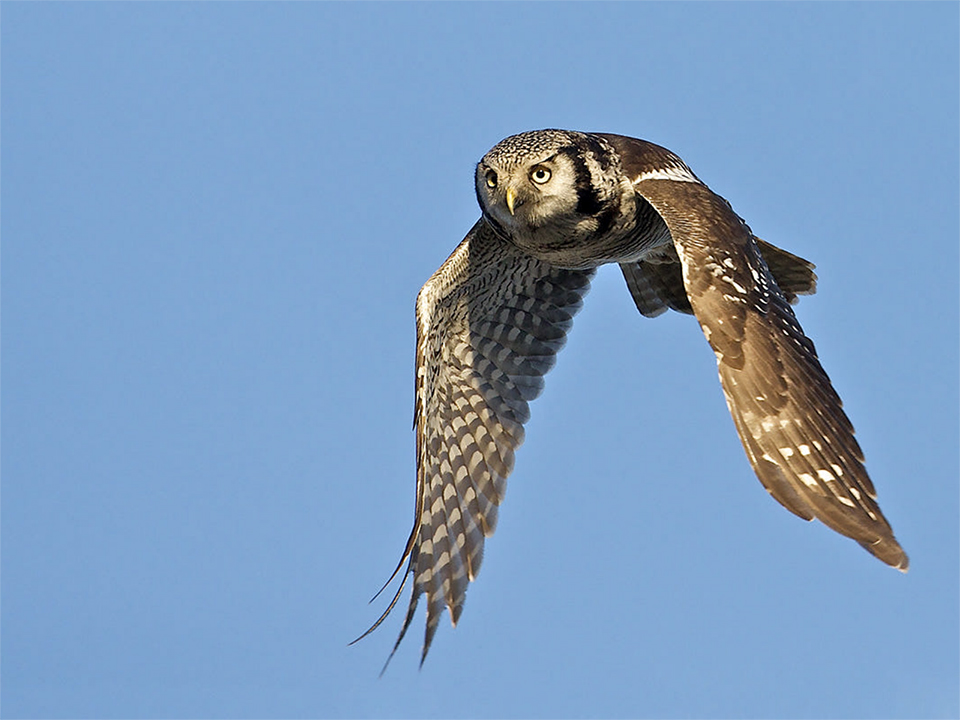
x=556 y=205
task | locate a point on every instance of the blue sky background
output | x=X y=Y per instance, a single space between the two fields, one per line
x=216 y=218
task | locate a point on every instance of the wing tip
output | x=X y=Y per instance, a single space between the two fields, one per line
x=888 y=550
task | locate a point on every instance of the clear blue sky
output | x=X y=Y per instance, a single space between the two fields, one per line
x=215 y=221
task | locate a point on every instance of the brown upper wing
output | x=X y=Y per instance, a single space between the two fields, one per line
x=790 y=420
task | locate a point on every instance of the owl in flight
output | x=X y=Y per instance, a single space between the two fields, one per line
x=555 y=205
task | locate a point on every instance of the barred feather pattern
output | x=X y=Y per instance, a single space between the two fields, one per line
x=490 y=322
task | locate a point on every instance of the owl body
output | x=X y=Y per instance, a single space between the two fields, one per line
x=556 y=204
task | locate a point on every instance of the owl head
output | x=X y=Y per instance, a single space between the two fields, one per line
x=547 y=190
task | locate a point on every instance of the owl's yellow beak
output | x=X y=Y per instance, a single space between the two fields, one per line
x=511 y=199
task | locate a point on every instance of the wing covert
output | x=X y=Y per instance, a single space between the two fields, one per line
x=656 y=282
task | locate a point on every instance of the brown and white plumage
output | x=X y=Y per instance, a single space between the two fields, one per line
x=557 y=204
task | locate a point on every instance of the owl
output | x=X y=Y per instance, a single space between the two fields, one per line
x=555 y=205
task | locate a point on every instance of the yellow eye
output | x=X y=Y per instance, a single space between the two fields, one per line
x=540 y=174
x=491 y=179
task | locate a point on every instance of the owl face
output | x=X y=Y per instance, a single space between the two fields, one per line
x=526 y=193
x=551 y=190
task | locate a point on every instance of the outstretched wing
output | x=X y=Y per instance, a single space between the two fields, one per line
x=790 y=420
x=489 y=324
